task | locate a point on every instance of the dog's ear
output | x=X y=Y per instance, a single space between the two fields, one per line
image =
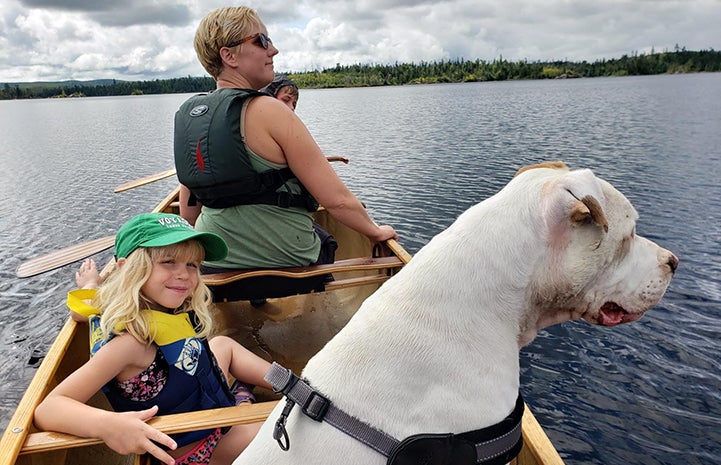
x=557 y=165
x=588 y=209
x=574 y=199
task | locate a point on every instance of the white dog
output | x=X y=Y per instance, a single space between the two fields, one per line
x=435 y=349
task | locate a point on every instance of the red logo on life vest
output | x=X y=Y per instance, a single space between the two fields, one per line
x=199 y=157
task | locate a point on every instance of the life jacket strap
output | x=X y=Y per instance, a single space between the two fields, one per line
x=259 y=188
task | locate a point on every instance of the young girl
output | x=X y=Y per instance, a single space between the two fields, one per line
x=284 y=89
x=149 y=320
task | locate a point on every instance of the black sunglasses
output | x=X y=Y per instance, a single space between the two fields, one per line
x=260 y=39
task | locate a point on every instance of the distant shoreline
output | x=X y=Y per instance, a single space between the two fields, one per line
x=680 y=61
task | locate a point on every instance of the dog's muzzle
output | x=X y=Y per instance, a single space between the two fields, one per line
x=494 y=445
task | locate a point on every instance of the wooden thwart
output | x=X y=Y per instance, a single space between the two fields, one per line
x=355 y=282
x=170 y=424
x=352 y=264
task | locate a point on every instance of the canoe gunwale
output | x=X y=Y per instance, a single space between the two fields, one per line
x=22 y=420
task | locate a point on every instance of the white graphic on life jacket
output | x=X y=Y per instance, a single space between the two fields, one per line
x=199 y=110
x=188 y=357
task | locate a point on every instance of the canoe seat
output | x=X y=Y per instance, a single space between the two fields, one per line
x=281 y=282
x=47 y=441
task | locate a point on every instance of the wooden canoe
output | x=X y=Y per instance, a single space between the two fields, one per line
x=288 y=330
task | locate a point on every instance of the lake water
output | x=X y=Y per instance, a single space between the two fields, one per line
x=644 y=393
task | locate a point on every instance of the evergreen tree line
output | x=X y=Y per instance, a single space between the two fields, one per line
x=678 y=61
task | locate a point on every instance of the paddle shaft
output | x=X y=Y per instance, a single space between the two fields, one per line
x=171 y=172
x=64 y=257
x=72 y=254
x=68 y=255
x=145 y=180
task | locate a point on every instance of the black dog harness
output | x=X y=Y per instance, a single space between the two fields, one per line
x=494 y=445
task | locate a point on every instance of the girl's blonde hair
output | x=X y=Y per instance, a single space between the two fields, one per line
x=122 y=303
x=218 y=29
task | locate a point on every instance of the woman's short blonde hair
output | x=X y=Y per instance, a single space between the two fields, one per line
x=218 y=29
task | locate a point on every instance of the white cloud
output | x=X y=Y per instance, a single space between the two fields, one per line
x=148 y=39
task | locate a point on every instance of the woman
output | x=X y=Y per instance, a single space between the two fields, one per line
x=224 y=139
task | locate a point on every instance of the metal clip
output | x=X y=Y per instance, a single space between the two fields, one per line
x=279 y=433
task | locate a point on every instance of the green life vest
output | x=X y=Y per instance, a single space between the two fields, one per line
x=212 y=160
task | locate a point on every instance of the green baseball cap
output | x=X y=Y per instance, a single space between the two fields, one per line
x=161 y=229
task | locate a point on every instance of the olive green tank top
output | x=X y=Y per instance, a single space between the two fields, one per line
x=262 y=236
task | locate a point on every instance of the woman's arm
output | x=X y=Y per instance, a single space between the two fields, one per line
x=278 y=135
x=64 y=409
x=189 y=212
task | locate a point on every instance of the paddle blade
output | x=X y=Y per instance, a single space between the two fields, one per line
x=63 y=257
x=145 y=180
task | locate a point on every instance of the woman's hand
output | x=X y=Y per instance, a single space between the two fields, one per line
x=385 y=232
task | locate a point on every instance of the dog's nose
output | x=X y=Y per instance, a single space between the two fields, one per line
x=673 y=262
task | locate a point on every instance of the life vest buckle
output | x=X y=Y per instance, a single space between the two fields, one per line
x=284 y=199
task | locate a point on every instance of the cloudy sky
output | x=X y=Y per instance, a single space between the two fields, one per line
x=43 y=40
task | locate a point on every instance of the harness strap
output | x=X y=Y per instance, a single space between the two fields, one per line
x=319 y=408
x=490 y=443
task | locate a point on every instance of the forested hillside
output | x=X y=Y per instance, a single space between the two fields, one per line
x=679 y=61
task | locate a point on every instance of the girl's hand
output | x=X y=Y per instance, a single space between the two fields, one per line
x=128 y=433
x=88 y=277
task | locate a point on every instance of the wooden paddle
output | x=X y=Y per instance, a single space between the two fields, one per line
x=343 y=159
x=77 y=252
x=171 y=172
x=146 y=180
x=64 y=256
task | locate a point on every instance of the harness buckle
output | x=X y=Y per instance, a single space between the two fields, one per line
x=316 y=406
